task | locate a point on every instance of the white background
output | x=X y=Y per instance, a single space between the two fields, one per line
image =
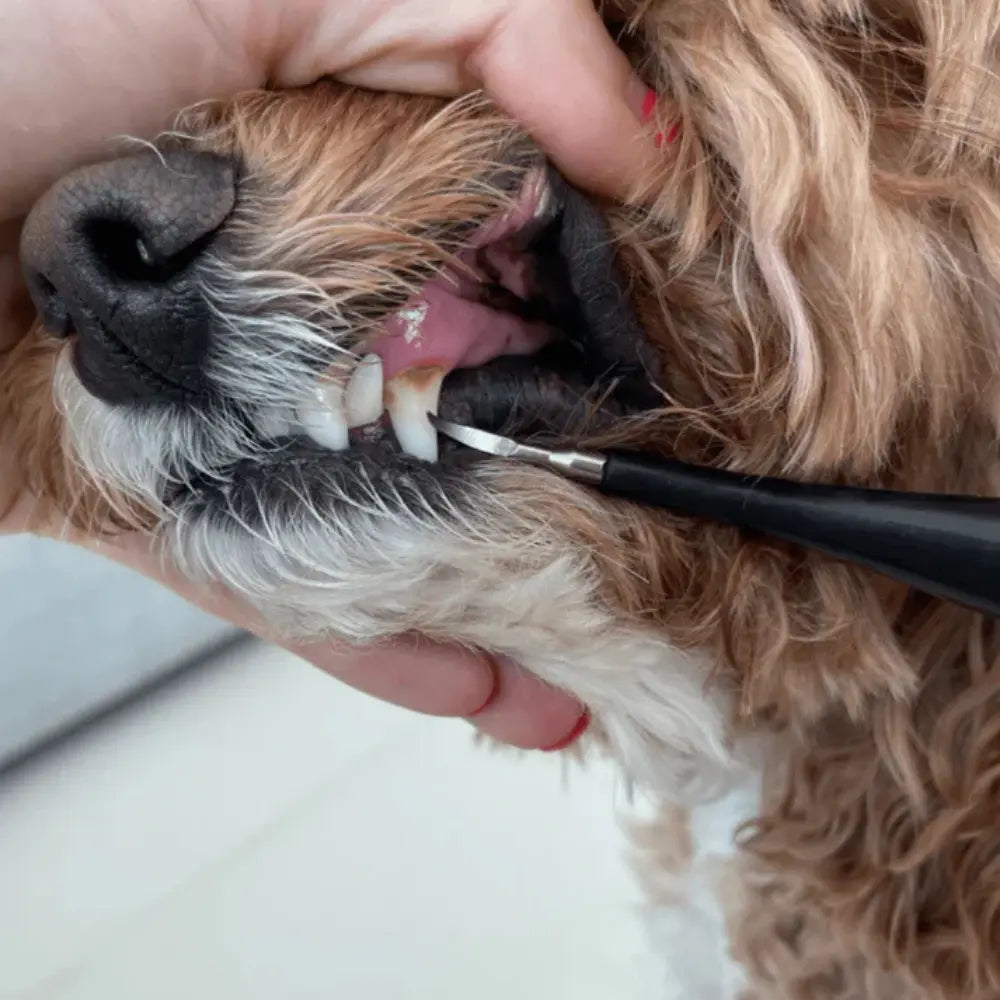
x=255 y=830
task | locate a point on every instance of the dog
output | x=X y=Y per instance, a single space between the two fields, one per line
x=240 y=332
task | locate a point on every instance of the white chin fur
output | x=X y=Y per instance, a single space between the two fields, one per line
x=466 y=568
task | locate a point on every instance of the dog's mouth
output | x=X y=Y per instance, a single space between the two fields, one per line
x=532 y=334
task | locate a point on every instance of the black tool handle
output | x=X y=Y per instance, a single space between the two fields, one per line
x=947 y=546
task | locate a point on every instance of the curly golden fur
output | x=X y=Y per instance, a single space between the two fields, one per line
x=820 y=272
x=834 y=297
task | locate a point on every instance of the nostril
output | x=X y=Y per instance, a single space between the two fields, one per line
x=126 y=253
x=45 y=287
x=50 y=304
x=116 y=253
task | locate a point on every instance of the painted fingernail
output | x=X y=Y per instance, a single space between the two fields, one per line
x=641 y=99
x=644 y=101
x=648 y=106
x=671 y=135
x=582 y=725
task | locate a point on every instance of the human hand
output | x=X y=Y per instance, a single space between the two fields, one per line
x=76 y=74
x=551 y=65
x=497 y=697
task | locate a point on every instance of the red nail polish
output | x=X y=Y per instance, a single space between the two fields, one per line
x=582 y=725
x=648 y=106
x=485 y=705
x=665 y=138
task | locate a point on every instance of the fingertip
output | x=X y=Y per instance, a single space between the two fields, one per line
x=555 y=69
x=429 y=678
x=525 y=712
x=576 y=733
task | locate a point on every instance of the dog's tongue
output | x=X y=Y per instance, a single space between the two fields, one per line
x=446 y=326
x=442 y=330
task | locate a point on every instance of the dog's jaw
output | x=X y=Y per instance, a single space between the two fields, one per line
x=473 y=564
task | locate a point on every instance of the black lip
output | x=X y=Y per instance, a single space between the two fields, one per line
x=602 y=367
x=544 y=395
x=578 y=267
x=600 y=370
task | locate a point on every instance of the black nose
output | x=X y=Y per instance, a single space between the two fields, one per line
x=115 y=254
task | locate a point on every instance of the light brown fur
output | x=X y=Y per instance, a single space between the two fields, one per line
x=821 y=274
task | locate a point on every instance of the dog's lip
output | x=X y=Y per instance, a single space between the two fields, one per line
x=557 y=394
x=451 y=323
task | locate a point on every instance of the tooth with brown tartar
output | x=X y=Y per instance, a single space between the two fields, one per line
x=363 y=396
x=322 y=416
x=409 y=397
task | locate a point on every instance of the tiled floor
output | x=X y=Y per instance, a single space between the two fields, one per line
x=254 y=830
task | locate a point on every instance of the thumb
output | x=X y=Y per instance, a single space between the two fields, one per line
x=554 y=68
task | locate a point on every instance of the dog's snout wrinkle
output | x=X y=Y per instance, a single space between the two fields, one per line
x=112 y=253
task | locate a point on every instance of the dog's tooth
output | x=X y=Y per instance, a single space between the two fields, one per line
x=322 y=416
x=275 y=423
x=409 y=397
x=544 y=207
x=363 y=396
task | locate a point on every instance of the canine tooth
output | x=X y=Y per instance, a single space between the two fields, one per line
x=322 y=416
x=409 y=397
x=363 y=396
x=544 y=206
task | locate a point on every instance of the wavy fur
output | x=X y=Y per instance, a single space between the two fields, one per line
x=820 y=275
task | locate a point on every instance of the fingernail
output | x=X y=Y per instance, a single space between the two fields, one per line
x=641 y=99
x=648 y=106
x=582 y=725
x=665 y=138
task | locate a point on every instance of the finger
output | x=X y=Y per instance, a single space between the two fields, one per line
x=555 y=68
x=526 y=713
x=410 y=672
x=504 y=701
x=423 y=677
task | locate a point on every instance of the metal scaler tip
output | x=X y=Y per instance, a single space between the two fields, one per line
x=582 y=466
x=944 y=545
